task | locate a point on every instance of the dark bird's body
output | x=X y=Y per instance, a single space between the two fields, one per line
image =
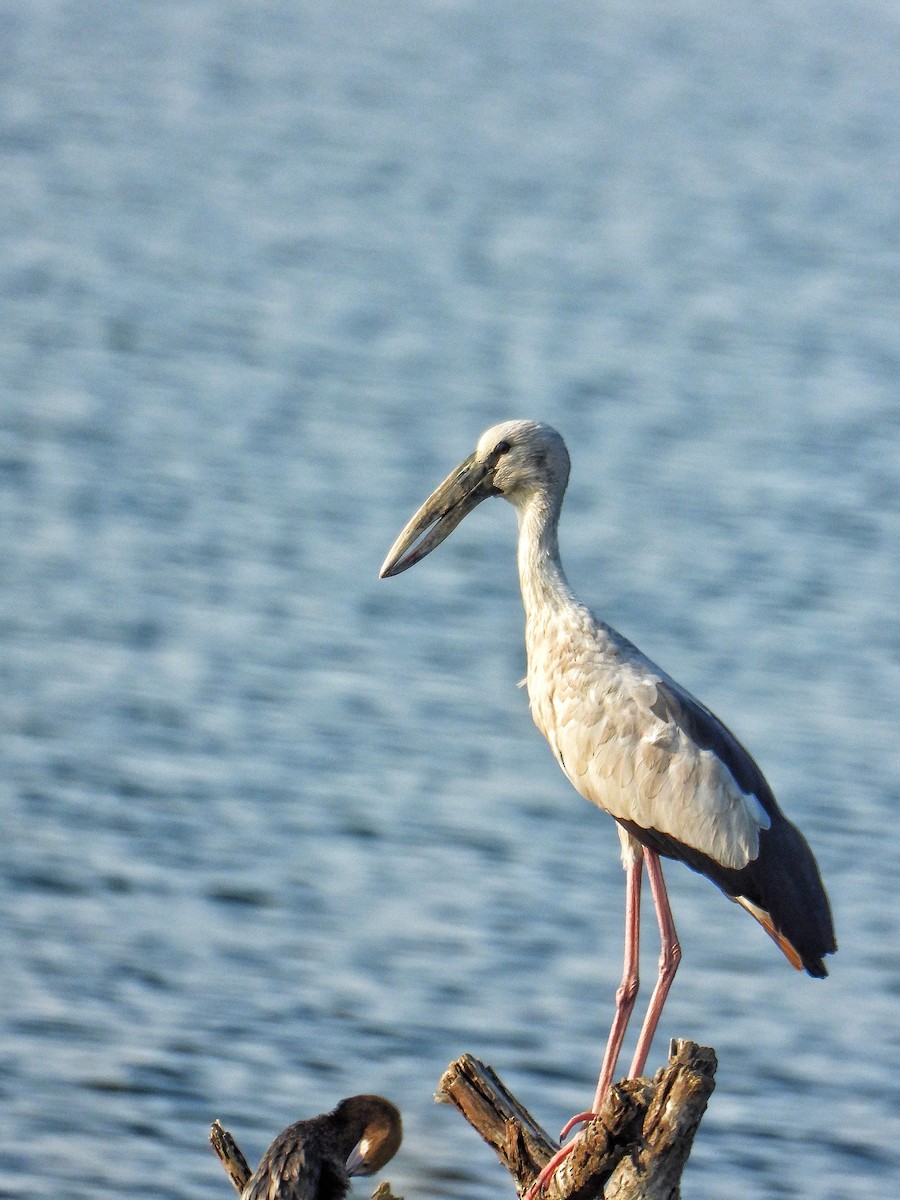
x=316 y=1158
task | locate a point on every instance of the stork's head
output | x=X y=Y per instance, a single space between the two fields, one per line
x=524 y=457
x=517 y=460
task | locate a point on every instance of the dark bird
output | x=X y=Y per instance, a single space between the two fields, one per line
x=315 y=1159
x=629 y=738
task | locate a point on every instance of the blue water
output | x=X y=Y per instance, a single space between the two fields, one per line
x=276 y=831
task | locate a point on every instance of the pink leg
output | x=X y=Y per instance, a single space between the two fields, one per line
x=628 y=988
x=625 y=995
x=670 y=957
x=625 y=998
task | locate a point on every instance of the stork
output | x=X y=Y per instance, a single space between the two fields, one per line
x=631 y=740
x=315 y=1158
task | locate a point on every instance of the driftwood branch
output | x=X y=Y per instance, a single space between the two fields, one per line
x=239 y=1172
x=634 y=1149
x=230 y=1156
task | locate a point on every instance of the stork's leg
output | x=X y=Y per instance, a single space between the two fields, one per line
x=627 y=991
x=669 y=958
x=625 y=998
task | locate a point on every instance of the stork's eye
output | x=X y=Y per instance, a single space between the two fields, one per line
x=502 y=448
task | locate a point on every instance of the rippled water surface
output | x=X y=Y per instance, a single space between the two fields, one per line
x=276 y=831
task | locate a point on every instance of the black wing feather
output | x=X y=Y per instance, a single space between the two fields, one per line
x=783 y=879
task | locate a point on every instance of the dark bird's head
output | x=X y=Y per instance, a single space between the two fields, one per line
x=517 y=460
x=372 y=1130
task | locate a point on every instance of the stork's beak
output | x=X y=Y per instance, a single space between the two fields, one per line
x=461 y=491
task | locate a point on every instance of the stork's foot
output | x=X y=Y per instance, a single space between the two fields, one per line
x=578 y=1119
x=560 y=1156
x=549 y=1170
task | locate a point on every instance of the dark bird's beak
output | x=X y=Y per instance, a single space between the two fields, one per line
x=356 y=1163
x=460 y=492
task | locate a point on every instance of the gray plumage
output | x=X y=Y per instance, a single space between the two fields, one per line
x=628 y=737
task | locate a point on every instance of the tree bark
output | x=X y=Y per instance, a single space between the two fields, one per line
x=634 y=1149
x=230 y=1156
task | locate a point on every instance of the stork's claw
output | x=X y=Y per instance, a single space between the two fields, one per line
x=549 y=1171
x=578 y=1119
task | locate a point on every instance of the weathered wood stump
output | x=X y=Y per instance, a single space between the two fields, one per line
x=634 y=1149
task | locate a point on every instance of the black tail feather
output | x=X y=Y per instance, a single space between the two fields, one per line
x=783 y=881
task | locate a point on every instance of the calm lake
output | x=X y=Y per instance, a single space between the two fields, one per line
x=276 y=831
